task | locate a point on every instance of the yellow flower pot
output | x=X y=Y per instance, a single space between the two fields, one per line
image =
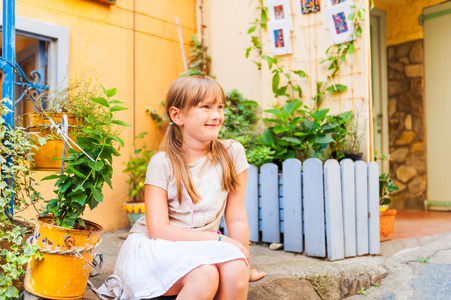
x=61 y=276
x=134 y=210
x=43 y=157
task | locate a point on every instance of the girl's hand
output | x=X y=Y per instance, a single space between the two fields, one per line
x=256 y=275
x=238 y=244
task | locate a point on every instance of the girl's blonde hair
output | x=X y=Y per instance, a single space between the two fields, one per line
x=184 y=94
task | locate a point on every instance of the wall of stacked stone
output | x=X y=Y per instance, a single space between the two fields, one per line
x=406 y=111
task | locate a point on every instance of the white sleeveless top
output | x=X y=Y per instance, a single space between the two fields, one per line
x=207 y=178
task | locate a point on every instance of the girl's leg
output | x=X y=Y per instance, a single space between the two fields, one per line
x=200 y=283
x=233 y=280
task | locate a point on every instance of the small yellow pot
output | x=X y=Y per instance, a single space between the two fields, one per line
x=61 y=276
x=43 y=157
x=134 y=210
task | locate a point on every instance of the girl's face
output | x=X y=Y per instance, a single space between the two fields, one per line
x=203 y=121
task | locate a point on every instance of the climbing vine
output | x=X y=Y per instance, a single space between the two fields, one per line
x=336 y=55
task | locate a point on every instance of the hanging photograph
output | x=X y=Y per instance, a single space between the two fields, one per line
x=280 y=10
x=335 y=2
x=340 y=27
x=279 y=37
x=309 y=6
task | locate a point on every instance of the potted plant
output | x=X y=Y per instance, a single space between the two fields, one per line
x=136 y=168
x=73 y=101
x=16 y=183
x=352 y=141
x=386 y=216
x=339 y=134
x=67 y=240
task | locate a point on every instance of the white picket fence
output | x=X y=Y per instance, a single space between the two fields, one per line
x=323 y=211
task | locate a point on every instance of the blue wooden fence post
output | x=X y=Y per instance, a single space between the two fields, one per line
x=292 y=205
x=269 y=184
x=348 y=196
x=361 y=207
x=373 y=208
x=334 y=210
x=251 y=202
x=9 y=54
x=314 y=226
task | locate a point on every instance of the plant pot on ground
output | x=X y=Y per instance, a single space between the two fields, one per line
x=60 y=227
x=136 y=168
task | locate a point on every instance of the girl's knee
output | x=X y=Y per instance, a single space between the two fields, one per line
x=205 y=275
x=235 y=270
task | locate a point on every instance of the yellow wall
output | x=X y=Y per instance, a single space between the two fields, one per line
x=403 y=19
x=138 y=53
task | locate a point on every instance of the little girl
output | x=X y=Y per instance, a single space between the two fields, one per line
x=176 y=248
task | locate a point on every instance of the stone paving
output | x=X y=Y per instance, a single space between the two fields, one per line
x=416 y=268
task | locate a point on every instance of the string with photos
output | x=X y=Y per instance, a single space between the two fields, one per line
x=336 y=56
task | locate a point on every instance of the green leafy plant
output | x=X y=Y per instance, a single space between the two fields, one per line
x=340 y=133
x=82 y=183
x=353 y=139
x=260 y=155
x=16 y=183
x=386 y=185
x=240 y=116
x=199 y=62
x=298 y=133
x=75 y=100
x=423 y=260
x=136 y=168
x=362 y=292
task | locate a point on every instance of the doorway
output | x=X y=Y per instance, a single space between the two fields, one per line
x=437 y=46
x=378 y=30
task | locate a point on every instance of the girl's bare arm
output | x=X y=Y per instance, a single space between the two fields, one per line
x=236 y=220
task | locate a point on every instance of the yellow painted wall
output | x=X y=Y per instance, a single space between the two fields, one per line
x=403 y=19
x=132 y=46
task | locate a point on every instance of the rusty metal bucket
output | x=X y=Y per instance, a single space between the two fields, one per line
x=61 y=274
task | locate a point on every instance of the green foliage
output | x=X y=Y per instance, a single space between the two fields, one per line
x=76 y=100
x=82 y=184
x=260 y=155
x=240 y=116
x=353 y=139
x=199 y=62
x=423 y=260
x=136 y=168
x=386 y=185
x=159 y=119
x=340 y=133
x=16 y=182
x=298 y=133
x=362 y=292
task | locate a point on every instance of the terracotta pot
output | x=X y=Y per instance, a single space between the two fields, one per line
x=387 y=224
x=134 y=210
x=61 y=276
x=43 y=157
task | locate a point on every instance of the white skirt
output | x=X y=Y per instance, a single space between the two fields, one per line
x=149 y=268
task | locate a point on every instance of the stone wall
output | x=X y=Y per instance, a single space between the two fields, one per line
x=406 y=110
